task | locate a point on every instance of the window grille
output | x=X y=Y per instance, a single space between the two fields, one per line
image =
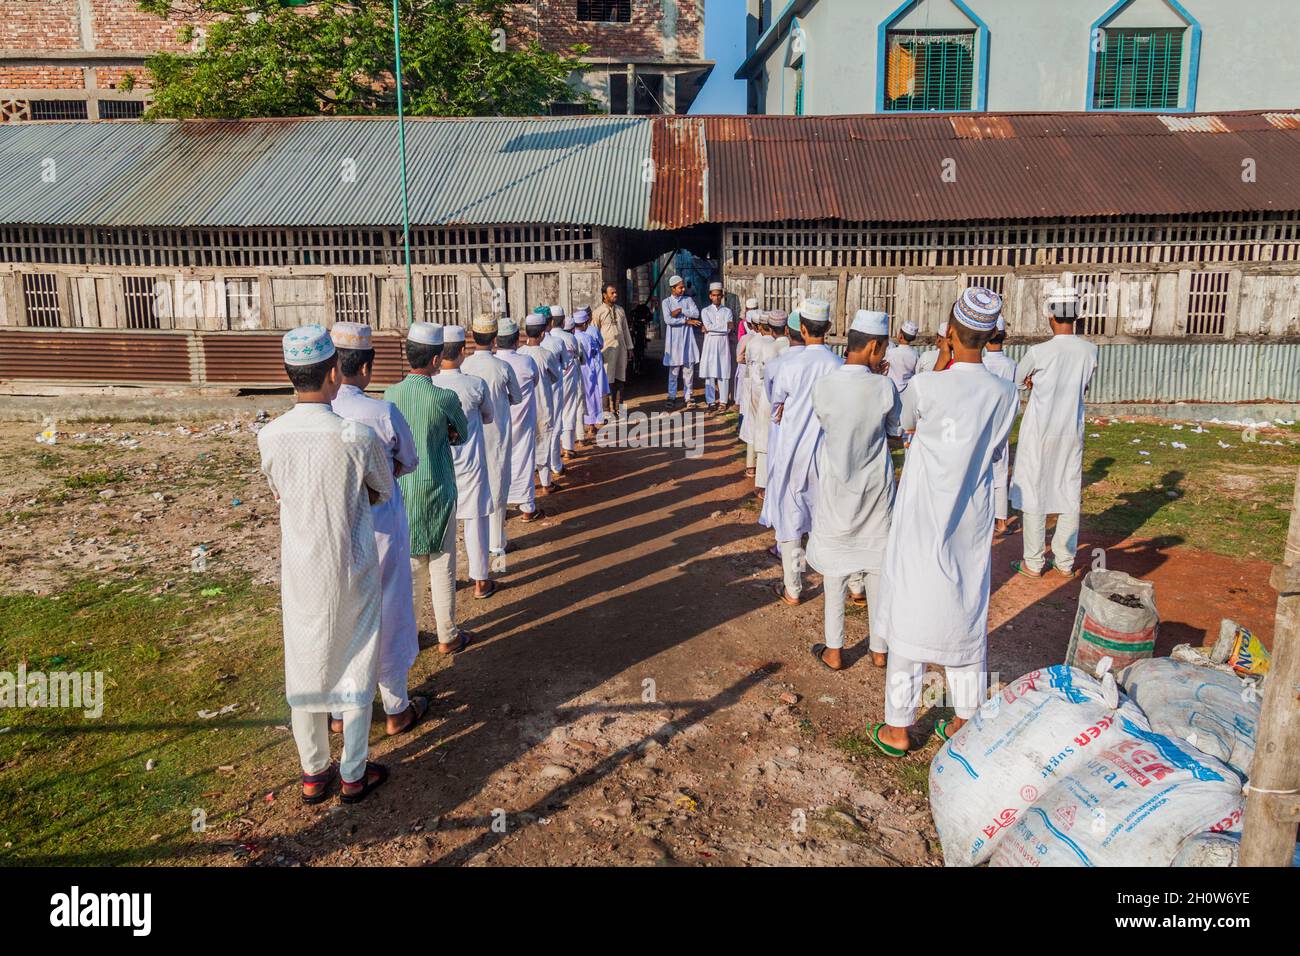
x=243 y=303
x=41 y=299
x=1207 y=303
x=352 y=299
x=442 y=300
x=142 y=296
x=929 y=70
x=1139 y=70
x=121 y=109
x=58 y=109
x=605 y=11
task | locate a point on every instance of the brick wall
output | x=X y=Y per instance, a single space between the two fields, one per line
x=40 y=25
x=50 y=77
x=659 y=29
x=121 y=25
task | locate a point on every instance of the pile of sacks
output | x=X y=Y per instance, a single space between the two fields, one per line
x=1062 y=768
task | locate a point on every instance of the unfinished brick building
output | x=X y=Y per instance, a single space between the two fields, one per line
x=67 y=59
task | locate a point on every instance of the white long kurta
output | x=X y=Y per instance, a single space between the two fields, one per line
x=742 y=383
x=473 y=493
x=503 y=394
x=902 y=360
x=550 y=397
x=399 y=636
x=858 y=411
x=715 y=357
x=680 y=347
x=523 y=426
x=1049 y=453
x=759 y=349
x=934 y=586
x=319 y=467
x=782 y=348
x=1000 y=364
x=568 y=395
x=792 y=450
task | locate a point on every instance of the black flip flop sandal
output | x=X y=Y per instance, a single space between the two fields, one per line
x=817 y=650
x=322 y=779
x=370 y=786
x=486 y=594
x=419 y=716
x=465 y=640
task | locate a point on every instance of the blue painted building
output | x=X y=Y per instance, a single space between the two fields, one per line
x=829 y=57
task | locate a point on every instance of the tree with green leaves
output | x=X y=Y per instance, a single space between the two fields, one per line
x=265 y=58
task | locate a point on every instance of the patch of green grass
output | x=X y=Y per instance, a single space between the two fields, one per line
x=911 y=772
x=48 y=460
x=1233 y=501
x=97 y=478
x=75 y=789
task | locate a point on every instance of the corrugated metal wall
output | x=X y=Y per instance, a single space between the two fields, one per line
x=1194 y=372
x=72 y=355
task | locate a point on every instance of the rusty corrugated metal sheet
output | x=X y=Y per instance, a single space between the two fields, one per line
x=256 y=359
x=92 y=356
x=681 y=167
x=1005 y=166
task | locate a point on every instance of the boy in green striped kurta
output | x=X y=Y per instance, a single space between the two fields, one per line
x=437 y=422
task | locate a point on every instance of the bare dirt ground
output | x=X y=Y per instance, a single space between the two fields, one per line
x=636 y=696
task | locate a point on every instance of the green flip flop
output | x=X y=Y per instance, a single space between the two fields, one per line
x=884 y=748
x=941 y=730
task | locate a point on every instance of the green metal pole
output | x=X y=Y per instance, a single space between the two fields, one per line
x=401 y=152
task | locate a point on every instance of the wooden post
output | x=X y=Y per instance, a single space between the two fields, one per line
x=1272 y=803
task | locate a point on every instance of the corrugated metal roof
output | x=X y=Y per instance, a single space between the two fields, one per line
x=592 y=170
x=1005 y=166
x=295 y=172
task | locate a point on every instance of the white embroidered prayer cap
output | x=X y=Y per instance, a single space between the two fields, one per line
x=581 y=316
x=776 y=318
x=815 y=310
x=674 y=281
x=557 y=311
x=306 y=345
x=351 y=335
x=485 y=324
x=453 y=334
x=1002 y=323
x=715 y=286
x=910 y=328
x=424 y=333
x=506 y=327
x=870 y=323
x=751 y=303
x=978 y=308
x=943 y=328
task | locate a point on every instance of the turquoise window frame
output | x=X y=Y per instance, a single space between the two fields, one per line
x=1193 y=59
x=982 y=36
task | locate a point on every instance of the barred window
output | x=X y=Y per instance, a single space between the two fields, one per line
x=41 y=299
x=996 y=282
x=605 y=11
x=352 y=299
x=441 y=300
x=146 y=301
x=121 y=109
x=880 y=294
x=1207 y=303
x=1139 y=70
x=1094 y=302
x=58 y=109
x=929 y=70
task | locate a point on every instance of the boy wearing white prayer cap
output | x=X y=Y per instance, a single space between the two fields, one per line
x=858 y=408
x=1049 y=452
x=997 y=362
x=792 y=447
x=681 y=352
x=759 y=351
x=934 y=587
x=939 y=357
x=902 y=357
x=550 y=395
x=473 y=488
x=524 y=423
x=715 y=358
x=326 y=473
x=565 y=346
x=399 y=635
x=504 y=392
